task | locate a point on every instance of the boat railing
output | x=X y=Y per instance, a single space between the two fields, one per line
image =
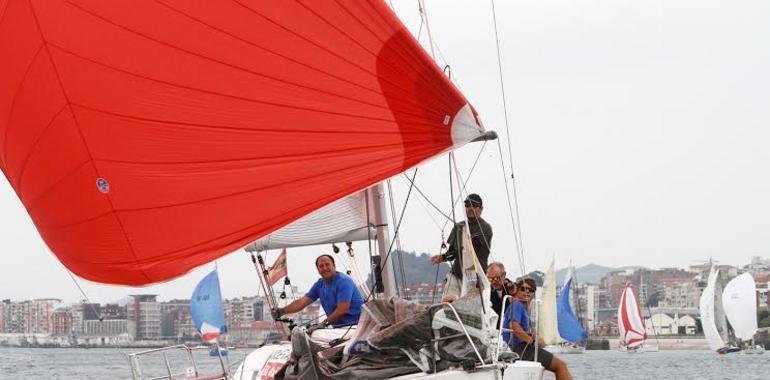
x=503 y=329
x=191 y=371
x=462 y=326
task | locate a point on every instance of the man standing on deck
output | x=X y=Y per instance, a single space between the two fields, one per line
x=481 y=238
x=339 y=296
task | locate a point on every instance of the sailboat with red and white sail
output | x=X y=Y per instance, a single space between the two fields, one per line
x=146 y=139
x=631 y=328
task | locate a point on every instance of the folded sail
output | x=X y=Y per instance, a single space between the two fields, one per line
x=740 y=302
x=630 y=321
x=707 y=313
x=206 y=308
x=341 y=221
x=570 y=328
x=148 y=138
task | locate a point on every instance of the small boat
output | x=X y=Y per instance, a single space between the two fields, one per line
x=631 y=327
x=739 y=302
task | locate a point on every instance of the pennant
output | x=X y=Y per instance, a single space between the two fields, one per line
x=278 y=270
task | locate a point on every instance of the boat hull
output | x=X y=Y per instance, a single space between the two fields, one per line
x=264 y=362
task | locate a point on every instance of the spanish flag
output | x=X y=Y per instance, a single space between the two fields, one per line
x=278 y=270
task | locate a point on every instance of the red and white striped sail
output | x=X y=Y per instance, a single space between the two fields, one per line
x=630 y=320
x=146 y=138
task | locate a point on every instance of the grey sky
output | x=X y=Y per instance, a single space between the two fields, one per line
x=640 y=133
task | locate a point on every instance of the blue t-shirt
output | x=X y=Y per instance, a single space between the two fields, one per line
x=340 y=289
x=521 y=316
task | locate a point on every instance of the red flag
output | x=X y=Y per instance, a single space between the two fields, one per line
x=278 y=270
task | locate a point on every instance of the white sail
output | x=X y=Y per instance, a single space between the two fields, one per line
x=740 y=302
x=341 y=221
x=548 y=324
x=707 y=312
x=630 y=322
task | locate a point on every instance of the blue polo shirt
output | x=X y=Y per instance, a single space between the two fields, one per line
x=520 y=315
x=341 y=288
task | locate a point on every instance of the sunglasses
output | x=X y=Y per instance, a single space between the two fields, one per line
x=494 y=278
x=470 y=204
x=526 y=289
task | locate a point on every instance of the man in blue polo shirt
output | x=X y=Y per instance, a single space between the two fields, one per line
x=337 y=292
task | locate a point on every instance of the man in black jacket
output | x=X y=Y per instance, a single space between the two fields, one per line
x=481 y=238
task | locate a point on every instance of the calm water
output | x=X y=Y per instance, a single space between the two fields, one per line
x=70 y=364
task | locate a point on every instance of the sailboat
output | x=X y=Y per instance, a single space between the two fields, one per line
x=207 y=314
x=558 y=325
x=146 y=139
x=631 y=327
x=570 y=328
x=740 y=305
x=547 y=321
x=708 y=314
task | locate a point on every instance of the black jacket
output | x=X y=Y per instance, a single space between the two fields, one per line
x=497 y=300
x=481 y=237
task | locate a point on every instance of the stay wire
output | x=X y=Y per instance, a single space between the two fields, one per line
x=514 y=215
x=462 y=190
x=85 y=296
x=395 y=233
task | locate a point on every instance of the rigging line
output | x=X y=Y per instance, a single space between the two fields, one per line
x=478 y=223
x=470 y=173
x=446 y=217
x=398 y=226
x=85 y=296
x=400 y=255
x=502 y=86
x=430 y=215
x=507 y=133
x=424 y=14
x=514 y=216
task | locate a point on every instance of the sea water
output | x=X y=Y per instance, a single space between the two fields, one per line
x=71 y=364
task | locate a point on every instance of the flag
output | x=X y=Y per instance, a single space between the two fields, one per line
x=278 y=270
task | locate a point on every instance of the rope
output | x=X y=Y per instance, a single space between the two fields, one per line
x=513 y=216
x=424 y=16
x=517 y=226
x=85 y=296
x=395 y=233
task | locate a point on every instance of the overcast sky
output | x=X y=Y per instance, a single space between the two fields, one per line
x=640 y=135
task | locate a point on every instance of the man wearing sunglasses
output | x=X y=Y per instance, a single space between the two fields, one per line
x=481 y=238
x=501 y=286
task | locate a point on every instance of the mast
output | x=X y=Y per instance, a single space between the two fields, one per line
x=376 y=199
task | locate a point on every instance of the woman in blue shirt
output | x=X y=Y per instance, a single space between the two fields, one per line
x=522 y=341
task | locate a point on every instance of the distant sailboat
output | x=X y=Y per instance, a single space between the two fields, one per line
x=558 y=325
x=570 y=328
x=206 y=311
x=548 y=327
x=739 y=302
x=708 y=314
x=631 y=327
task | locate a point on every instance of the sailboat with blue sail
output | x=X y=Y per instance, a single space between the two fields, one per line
x=559 y=327
x=570 y=328
x=206 y=311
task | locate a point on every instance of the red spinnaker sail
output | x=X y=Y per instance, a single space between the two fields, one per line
x=146 y=138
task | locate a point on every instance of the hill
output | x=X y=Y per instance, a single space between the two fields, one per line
x=590 y=273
